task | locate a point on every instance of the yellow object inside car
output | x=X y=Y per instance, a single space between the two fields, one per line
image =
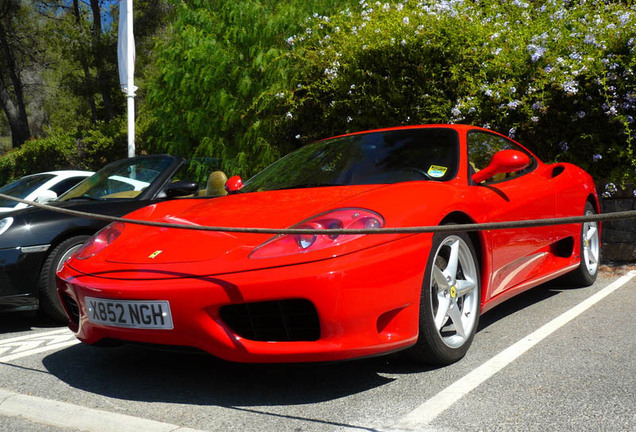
x=123 y=194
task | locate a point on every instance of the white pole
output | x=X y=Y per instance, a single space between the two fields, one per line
x=130 y=96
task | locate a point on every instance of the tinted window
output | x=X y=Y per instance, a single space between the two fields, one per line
x=23 y=187
x=66 y=184
x=429 y=154
x=128 y=175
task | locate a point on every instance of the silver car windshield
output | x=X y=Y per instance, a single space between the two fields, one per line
x=23 y=187
x=126 y=178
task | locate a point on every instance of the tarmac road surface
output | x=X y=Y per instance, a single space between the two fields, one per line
x=550 y=359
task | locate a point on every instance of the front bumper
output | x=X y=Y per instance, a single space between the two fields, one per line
x=366 y=304
x=19 y=274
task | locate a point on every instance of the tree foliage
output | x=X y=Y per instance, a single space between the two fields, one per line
x=71 y=87
x=247 y=81
x=215 y=63
x=558 y=77
x=19 y=51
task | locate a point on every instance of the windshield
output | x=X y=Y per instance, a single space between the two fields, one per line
x=126 y=178
x=371 y=158
x=23 y=187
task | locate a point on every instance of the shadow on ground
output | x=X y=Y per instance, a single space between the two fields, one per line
x=144 y=374
x=15 y=322
x=137 y=373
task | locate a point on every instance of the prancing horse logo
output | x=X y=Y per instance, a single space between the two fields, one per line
x=154 y=254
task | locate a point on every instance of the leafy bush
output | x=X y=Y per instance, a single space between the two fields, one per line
x=212 y=67
x=557 y=76
x=107 y=142
x=46 y=154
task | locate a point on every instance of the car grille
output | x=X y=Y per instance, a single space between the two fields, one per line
x=273 y=321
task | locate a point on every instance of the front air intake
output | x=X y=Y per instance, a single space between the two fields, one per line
x=72 y=310
x=273 y=321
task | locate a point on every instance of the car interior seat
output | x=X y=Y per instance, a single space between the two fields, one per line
x=216 y=184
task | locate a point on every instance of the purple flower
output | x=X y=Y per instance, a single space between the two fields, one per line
x=536 y=52
x=570 y=87
x=597 y=157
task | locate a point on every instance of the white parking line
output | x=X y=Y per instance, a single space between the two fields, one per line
x=39 y=350
x=67 y=415
x=24 y=346
x=420 y=417
x=64 y=330
x=64 y=414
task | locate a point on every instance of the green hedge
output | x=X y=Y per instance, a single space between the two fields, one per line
x=36 y=156
x=97 y=147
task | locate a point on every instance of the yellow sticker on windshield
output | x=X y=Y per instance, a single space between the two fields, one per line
x=437 y=171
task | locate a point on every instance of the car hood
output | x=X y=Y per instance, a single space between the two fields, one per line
x=143 y=252
x=275 y=209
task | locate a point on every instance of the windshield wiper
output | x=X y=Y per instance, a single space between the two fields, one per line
x=84 y=197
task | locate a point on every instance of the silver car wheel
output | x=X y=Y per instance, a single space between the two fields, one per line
x=454 y=292
x=591 y=245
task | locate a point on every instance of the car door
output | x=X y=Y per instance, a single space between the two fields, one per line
x=515 y=254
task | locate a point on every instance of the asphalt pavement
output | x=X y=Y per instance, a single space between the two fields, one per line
x=552 y=358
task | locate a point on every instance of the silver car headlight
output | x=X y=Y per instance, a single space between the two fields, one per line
x=5 y=224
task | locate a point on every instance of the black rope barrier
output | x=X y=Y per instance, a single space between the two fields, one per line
x=630 y=214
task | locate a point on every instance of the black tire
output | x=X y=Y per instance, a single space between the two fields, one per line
x=587 y=271
x=47 y=291
x=443 y=343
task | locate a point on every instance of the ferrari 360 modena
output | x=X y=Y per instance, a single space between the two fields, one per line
x=332 y=295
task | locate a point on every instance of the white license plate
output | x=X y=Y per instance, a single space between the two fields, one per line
x=149 y=314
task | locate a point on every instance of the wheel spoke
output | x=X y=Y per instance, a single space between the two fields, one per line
x=464 y=287
x=442 y=310
x=439 y=277
x=456 y=316
x=592 y=256
x=453 y=261
x=591 y=232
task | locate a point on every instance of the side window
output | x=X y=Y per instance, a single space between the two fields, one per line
x=481 y=148
x=66 y=184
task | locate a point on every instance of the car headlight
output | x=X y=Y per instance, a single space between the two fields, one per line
x=5 y=224
x=99 y=241
x=347 y=218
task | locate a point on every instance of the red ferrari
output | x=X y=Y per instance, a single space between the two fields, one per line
x=326 y=296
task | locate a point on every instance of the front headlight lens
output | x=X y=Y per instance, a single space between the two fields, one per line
x=5 y=224
x=305 y=240
x=100 y=240
x=345 y=218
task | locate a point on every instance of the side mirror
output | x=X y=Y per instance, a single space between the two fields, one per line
x=504 y=161
x=234 y=184
x=180 y=188
x=45 y=196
